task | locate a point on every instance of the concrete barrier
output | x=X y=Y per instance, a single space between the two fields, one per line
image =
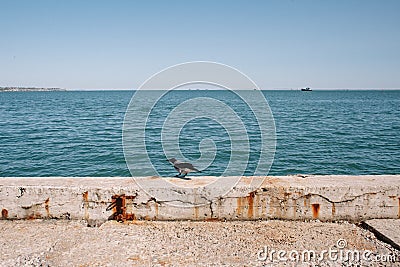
x=301 y=197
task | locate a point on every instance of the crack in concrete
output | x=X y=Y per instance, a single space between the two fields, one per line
x=145 y=204
x=341 y=201
x=211 y=210
x=33 y=205
x=322 y=196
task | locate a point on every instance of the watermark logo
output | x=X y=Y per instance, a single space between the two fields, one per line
x=338 y=253
x=220 y=130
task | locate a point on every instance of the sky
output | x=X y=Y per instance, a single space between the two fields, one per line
x=279 y=44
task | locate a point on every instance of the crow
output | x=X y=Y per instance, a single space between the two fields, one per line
x=182 y=167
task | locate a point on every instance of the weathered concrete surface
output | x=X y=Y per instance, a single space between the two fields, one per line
x=387 y=230
x=327 y=198
x=182 y=243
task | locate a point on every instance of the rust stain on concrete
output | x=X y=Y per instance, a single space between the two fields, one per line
x=286 y=194
x=156 y=209
x=250 y=201
x=212 y=220
x=129 y=217
x=85 y=197
x=46 y=206
x=333 y=210
x=307 y=200
x=4 y=213
x=119 y=208
x=246 y=203
x=315 y=210
x=34 y=215
x=257 y=207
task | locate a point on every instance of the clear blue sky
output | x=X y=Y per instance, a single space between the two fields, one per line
x=279 y=44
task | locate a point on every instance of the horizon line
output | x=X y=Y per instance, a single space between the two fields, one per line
x=213 y=89
x=196 y=89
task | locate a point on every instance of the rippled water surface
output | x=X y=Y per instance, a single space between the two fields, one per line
x=79 y=133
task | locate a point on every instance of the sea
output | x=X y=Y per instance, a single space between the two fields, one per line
x=79 y=133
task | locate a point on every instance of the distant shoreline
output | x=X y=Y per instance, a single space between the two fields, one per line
x=28 y=89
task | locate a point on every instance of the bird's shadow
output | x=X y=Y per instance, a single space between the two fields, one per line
x=182 y=177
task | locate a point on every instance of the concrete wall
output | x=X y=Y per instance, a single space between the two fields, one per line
x=327 y=198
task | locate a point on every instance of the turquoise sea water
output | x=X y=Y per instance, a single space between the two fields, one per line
x=79 y=133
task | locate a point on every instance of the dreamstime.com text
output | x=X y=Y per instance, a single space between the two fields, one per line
x=336 y=253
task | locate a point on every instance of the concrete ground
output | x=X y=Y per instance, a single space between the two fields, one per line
x=387 y=230
x=185 y=243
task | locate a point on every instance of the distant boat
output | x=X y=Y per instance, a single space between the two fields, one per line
x=307 y=89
